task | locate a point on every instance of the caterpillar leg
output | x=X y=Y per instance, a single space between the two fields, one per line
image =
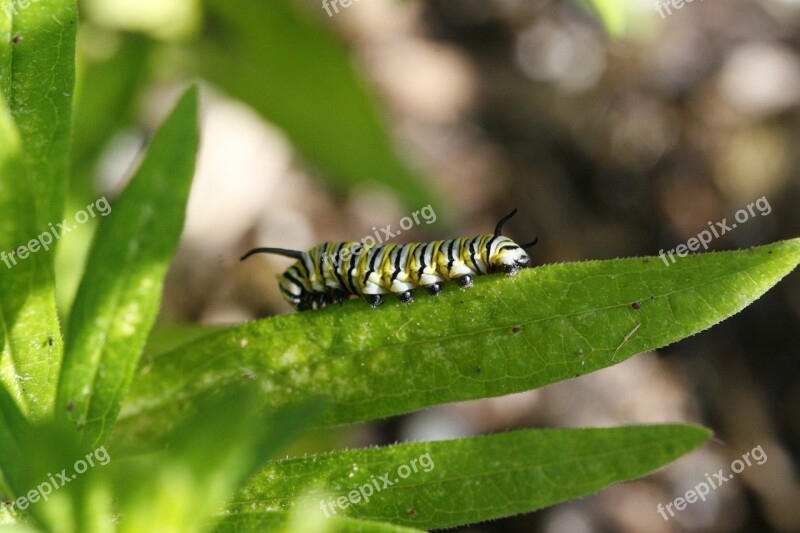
x=374 y=300
x=339 y=296
x=464 y=281
x=320 y=299
x=402 y=290
x=434 y=289
x=509 y=270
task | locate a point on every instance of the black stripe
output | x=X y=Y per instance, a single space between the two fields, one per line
x=371 y=266
x=450 y=255
x=335 y=258
x=509 y=247
x=350 y=274
x=489 y=251
x=422 y=259
x=289 y=294
x=397 y=269
x=302 y=263
x=471 y=251
x=294 y=280
x=475 y=254
x=337 y=273
x=324 y=247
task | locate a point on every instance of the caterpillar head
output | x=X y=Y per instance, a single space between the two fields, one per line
x=295 y=291
x=507 y=256
x=294 y=285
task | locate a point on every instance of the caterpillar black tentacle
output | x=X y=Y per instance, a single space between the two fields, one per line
x=332 y=272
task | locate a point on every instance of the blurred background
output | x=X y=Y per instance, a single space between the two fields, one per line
x=616 y=127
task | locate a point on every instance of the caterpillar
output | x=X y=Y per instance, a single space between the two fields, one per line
x=334 y=271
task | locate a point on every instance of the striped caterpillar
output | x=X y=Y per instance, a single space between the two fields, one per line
x=332 y=272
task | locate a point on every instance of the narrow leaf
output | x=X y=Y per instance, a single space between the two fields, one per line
x=30 y=339
x=275 y=57
x=105 y=102
x=30 y=457
x=504 y=335
x=12 y=450
x=121 y=289
x=452 y=483
x=37 y=53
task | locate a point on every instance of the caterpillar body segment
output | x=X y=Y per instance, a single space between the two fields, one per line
x=334 y=271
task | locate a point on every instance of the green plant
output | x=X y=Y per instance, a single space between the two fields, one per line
x=195 y=430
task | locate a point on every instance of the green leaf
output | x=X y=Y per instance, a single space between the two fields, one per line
x=12 y=457
x=105 y=98
x=300 y=522
x=29 y=361
x=502 y=336
x=451 y=483
x=36 y=53
x=41 y=64
x=30 y=456
x=294 y=72
x=121 y=289
x=105 y=101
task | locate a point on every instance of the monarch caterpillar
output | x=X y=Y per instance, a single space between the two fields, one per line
x=316 y=280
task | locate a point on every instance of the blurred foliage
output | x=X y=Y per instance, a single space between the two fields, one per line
x=612 y=13
x=295 y=73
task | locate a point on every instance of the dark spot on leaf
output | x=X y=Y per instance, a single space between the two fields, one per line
x=516 y=329
x=17 y=38
x=70 y=407
x=646 y=260
x=636 y=306
x=80 y=426
x=51 y=341
x=478 y=370
x=250 y=376
x=412 y=513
